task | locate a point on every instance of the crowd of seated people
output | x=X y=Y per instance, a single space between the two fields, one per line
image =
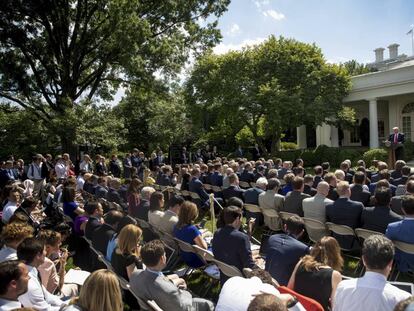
x=95 y=206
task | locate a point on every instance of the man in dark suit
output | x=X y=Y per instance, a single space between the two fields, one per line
x=196 y=185
x=143 y=207
x=7 y=174
x=330 y=178
x=101 y=189
x=260 y=172
x=318 y=176
x=403 y=231
x=358 y=193
x=396 y=202
x=251 y=196
x=256 y=153
x=346 y=212
x=345 y=168
x=217 y=178
x=375 y=176
x=378 y=217
x=247 y=174
x=113 y=195
x=283 y=250
x=398 y=139
x=233 y=190
x=103 y=234
x=165 y=177
x=308 y=185
x=405 y=173
x=293 y=200
x=383 y=175
x=159 y=160
x=396 y=173
x=230 y=245
x=94 y=211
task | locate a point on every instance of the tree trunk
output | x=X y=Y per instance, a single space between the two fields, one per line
x=275 y=144
x=67 y=141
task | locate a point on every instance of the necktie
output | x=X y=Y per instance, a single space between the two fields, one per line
x=395 y=138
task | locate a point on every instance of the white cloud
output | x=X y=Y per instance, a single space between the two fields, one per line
x=274 y=14
x=260 y=3
x=224 y=48
x=234 y=30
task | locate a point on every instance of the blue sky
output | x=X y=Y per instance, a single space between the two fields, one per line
x=343 y=29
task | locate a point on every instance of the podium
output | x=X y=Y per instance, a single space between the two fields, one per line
x=391 y=147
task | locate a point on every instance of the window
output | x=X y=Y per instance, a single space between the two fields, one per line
x=355 y=138
x=406 y=127
x=381 y=129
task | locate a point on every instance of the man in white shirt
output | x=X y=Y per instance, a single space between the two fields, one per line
x=371 y=292
x=170 y=217
x=314 y=207
x=237 y=292
x=11 y=206
x=34 y=173
x=33 y=252
x=61 y=168
x=14 y=282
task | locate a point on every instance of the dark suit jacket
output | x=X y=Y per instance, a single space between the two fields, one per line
x=377 y=218
x=164 y=180
x=396 y=204
x=101 y=192
x=360 y=195
x=233 y=191
x=251 y=195
x=375 y=177
x=400 y=181
x=247 y=176
x=282 y=254
x=92 y=224
x=332 y=195
x=114 y=196
x=293 y=202
x=232 y=247
x=197 y=186
x=402 y=231
x=142 y=210
x=396 y=174
x=373 y=186
x=115 y=168
x=101 y=236
x=400 y=138
x=316 y=180
x=309 y=190
x=216 y=179
x=345 y=212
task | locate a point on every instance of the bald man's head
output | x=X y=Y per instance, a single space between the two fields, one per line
x=323 y=188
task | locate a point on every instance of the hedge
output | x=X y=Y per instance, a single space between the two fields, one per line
x=322 y=154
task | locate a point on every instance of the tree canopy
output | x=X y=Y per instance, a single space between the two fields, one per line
x=57 y=55
x=271 y=87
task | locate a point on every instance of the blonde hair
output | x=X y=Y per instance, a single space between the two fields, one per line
x=128 y=239
x=101 y=292
x=326 y=252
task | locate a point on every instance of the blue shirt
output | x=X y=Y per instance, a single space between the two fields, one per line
x=113 y=242
x=69 y=209
x=187 y=234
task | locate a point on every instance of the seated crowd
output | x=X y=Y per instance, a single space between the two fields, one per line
x=53 y=210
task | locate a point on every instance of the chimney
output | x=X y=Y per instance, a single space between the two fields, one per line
x=393 y=48
x=379 y=55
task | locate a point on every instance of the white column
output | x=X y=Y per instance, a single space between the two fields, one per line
x=373 y=124
x=323 y=135
x=301 y=137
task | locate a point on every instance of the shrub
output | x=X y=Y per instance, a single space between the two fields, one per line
x=375 y=154
x=408 y=150
x=284 y=145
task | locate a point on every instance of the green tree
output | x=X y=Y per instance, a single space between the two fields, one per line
x=154 y=116
x=55 y=54
x=354 y=68
x=268 y=88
